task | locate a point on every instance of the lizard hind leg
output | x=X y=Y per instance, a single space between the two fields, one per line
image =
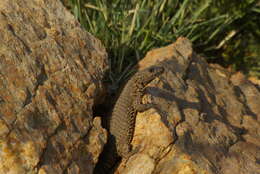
x=125 y=150
x=128 y=151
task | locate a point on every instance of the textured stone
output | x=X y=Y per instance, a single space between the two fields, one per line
x=149 y=126
x=205 y=120
x=139 y=163
x=50 y=76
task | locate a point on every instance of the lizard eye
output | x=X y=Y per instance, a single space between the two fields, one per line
x=151 y=70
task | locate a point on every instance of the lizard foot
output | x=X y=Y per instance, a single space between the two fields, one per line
x=143 y=107
x=130 y=153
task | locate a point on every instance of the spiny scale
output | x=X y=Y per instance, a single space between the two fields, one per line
x=121 y=122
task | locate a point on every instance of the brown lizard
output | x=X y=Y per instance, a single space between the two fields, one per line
x=121 y=122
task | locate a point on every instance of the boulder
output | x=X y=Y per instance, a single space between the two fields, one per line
x=51 y=73
x=204 y=120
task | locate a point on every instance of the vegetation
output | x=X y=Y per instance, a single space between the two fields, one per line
x=225 y=31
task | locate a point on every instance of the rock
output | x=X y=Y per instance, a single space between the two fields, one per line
x=242 y=158
x=50 y=76
x=139 y=163
x=204 y=119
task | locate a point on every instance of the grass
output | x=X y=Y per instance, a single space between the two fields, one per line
x=225 y=31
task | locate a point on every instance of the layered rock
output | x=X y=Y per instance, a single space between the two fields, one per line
x=50 y=76
x=205 y=120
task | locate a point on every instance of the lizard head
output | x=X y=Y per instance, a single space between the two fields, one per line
x=155 y=70
x=148 y=74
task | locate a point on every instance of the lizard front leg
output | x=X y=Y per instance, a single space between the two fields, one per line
x=128 y=151
x=139 y=106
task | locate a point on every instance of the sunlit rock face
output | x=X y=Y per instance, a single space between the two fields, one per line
x=50 y=76
x=205 y=120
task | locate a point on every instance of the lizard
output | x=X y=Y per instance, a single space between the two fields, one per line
x=121 y=121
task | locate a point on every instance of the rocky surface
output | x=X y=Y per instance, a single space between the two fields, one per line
x=50 y=77
x=205 y=120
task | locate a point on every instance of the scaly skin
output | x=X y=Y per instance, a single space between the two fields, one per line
x=121 y=122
